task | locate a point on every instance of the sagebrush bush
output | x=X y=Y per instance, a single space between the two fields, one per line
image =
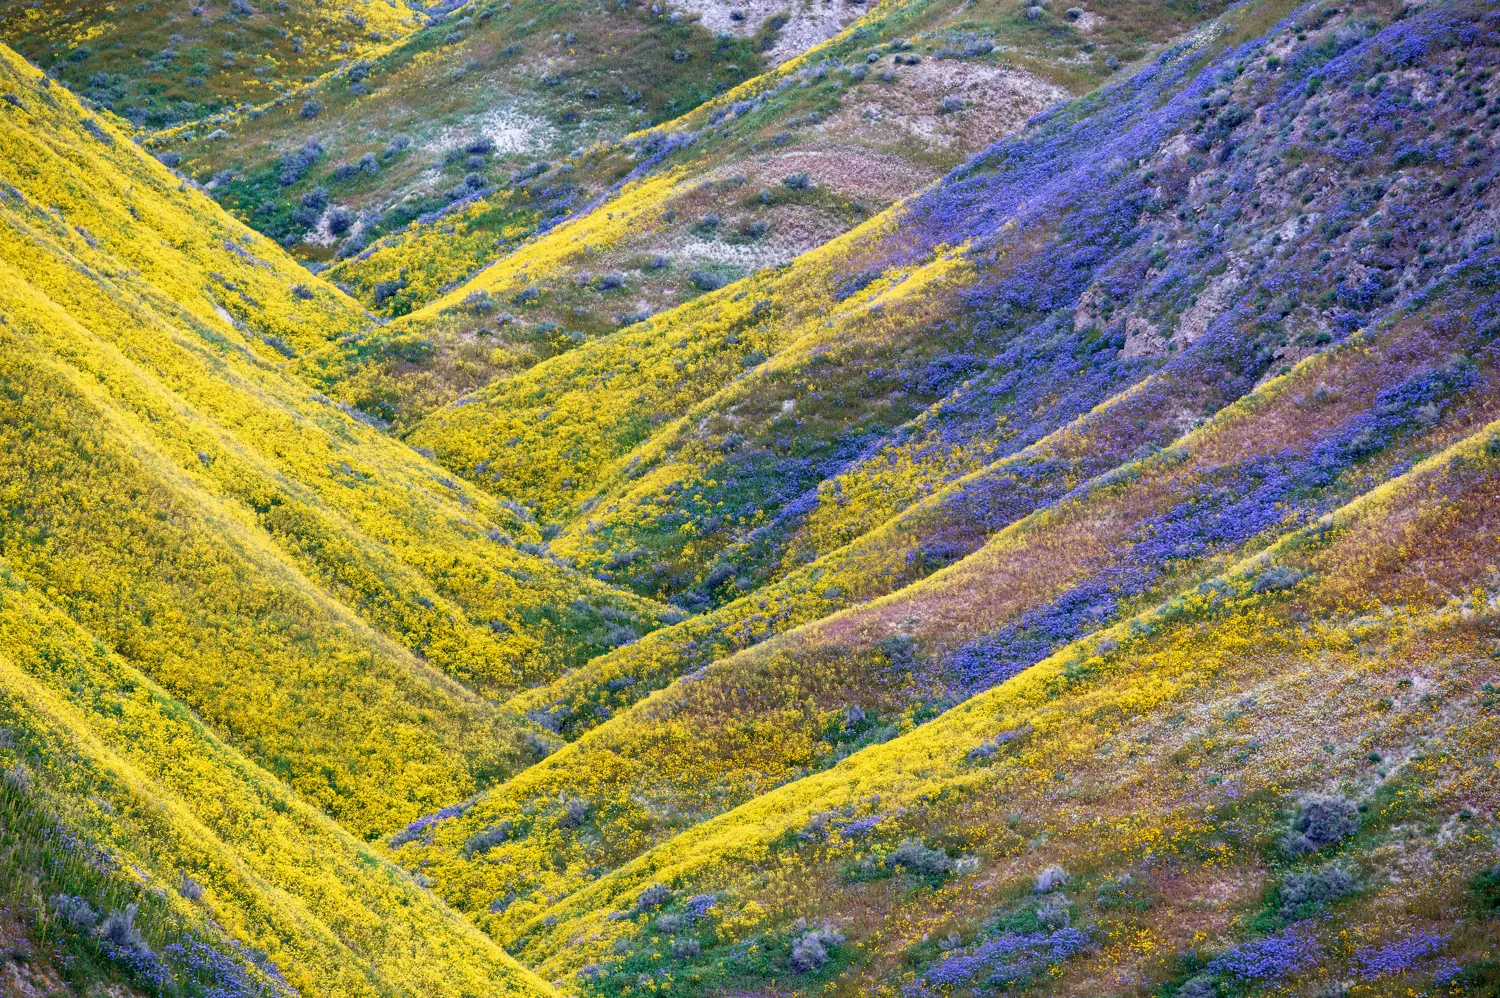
x=1323 y=821
x=1303 y=894
x=1050 y=879
x=913 y=857
x=810 y=951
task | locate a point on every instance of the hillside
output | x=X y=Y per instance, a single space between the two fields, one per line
x=162 y=63
x=743 y=184
x=781 y=530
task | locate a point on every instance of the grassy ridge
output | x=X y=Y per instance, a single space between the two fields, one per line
x=580 y=415
x=160 y=63
x=804 y=112
x=447 y=115
x=961 y=77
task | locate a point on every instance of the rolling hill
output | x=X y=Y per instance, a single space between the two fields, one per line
x=935 y=500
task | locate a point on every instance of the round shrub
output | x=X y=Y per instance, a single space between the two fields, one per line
x=1326 y=820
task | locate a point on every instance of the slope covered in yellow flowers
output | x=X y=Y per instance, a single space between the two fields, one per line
x=232 y=882
x=329 y=601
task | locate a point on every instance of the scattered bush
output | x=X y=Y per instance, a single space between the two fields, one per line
x=1276 y=579
x=653 y=897
x=706 y=280
x=189 y=888
x=483 y=841
x=686 y=948
x=1305 y=893
x=951 y=104
x=574 y=813
x=311 y=109
x=294 y=165
x=913 y=857
x=1202 y=986
x=810 y=950
x=76 y=913
x=118 y=931
x=1322 y=821
x=609 y=282
x=340 y=220
x=1050 y=879
x=386 y=290
x=396 y=145
x=799 y=181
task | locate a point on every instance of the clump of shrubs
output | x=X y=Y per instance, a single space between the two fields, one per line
x=76 y=913
x=340 y=220
x=1322 y=821
x=574 y=813
x=706 y=280
x=121 y=937
x=386 y=290
x=1302 y=894
x=397 y=144
x=653 y=897
x=1276 y=578
x=799 y=181
x=913 y=857
x=311 y=109
x=810 y=950
x=189 y=888
x=294 y=165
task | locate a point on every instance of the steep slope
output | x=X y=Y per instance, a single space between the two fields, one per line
x=162 y=63
x=747 y=182
x=202 y=873
x=796 y=704
x=440 y=119
x=895 y=363
x=870 y=116
x=1314 y=437
x=266 y=557
x=1177 y=776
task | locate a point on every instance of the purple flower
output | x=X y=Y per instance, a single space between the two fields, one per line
x=1399 y=956
x=1287 y=952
